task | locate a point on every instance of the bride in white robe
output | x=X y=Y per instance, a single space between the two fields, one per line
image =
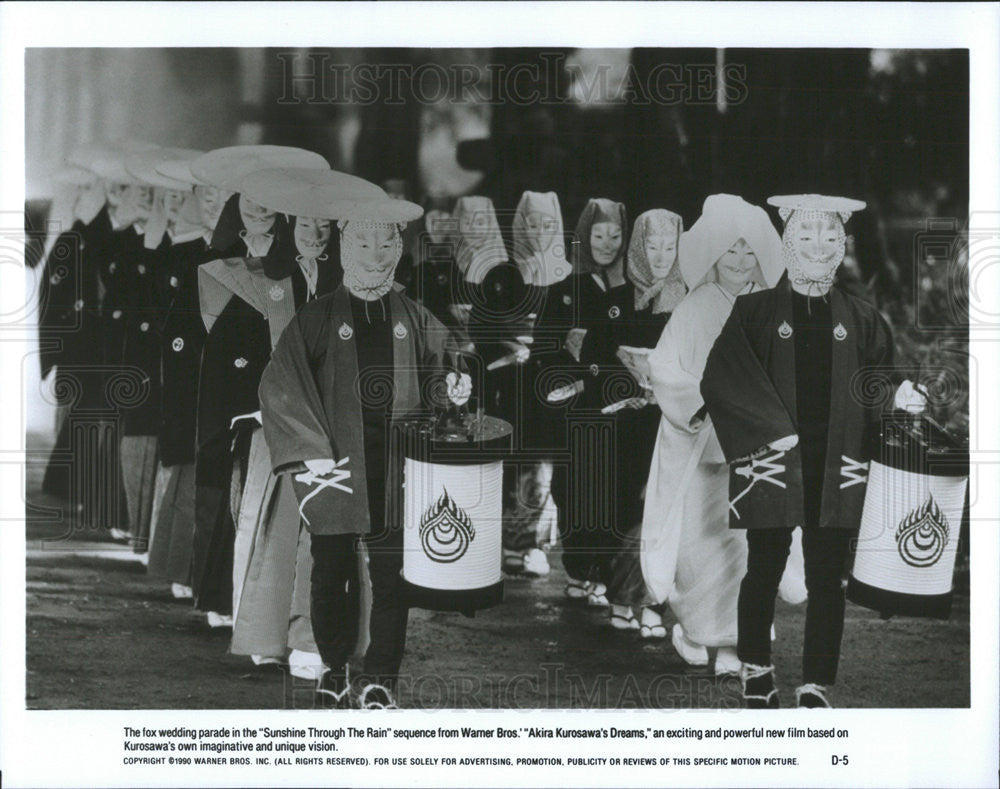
x=690 y=557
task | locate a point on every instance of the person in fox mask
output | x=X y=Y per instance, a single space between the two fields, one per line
x=272 y=561
x=690 y=559
x=188 y=225
x=128 y=339
x=779 y=385
x=348 y=366
x=70 y=335
x=236 y=349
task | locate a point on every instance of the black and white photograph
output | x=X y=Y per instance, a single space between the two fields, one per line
x=374 y=380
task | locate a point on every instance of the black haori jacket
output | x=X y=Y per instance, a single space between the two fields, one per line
x=310 y=395
x=69 y=329
x=182 y=335
x=141 y=345
x=244 y=313
x=749 y=389
x=129 y=387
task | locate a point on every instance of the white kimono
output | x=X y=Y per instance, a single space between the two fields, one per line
x=690 y=557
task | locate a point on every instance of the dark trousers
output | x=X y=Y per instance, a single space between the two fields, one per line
x=599 y=491
x=336 y=597
x=825 y=551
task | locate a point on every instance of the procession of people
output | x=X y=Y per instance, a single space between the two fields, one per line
x=230 y=327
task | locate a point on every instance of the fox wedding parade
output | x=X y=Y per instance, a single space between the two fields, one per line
x=377 y=379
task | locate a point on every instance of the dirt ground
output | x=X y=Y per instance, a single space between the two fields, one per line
x=103 y=635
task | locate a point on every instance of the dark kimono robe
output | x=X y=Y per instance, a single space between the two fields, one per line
x=119 y=274
x=244 y=314
x=646 y=327
x=182 y=335
x=141 y=344
x=598 y=499
x=749 y=386
x=501 y=308
x=70 y=339
x=311 y=399
x=435 y=282
x=236 y=350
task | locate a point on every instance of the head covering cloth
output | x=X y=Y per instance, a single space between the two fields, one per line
x=477 y=250
x=724 y=220
x=540 y=255
x=597 y=210
x=662 y=293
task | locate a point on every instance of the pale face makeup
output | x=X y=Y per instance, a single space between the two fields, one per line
x=816 y=244
x=311 y=236
x=661 y=253
x=605 y=242
x=256 y=218
x=374 y=247
x=736 y=266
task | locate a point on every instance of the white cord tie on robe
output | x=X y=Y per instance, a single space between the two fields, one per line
x=850 y=470
x=308 y=267
x=336 y=477
x=773 y=469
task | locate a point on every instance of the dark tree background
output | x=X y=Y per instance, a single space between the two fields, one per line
x=887 y=127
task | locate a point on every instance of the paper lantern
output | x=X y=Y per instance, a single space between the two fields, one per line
x=452 y=515
x=909 y=532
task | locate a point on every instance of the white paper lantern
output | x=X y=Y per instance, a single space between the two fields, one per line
x=452 y=524
x=909 y=532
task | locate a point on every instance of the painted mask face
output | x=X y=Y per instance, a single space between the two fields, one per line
x=311 y=236
x=256 y=218
x=542 y=229
x=141 y=197
x=375 y=248
x=605 y=242
x=661 y=253
x=88 y=194
x=736 y=266
x=115 y=193
x=211 y=201
x=818 y=244
x=172 y=201
x=437 y=221
x=475 y=228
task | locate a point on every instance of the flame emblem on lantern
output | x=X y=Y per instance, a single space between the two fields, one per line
x=922 y=535
x=446 y=530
